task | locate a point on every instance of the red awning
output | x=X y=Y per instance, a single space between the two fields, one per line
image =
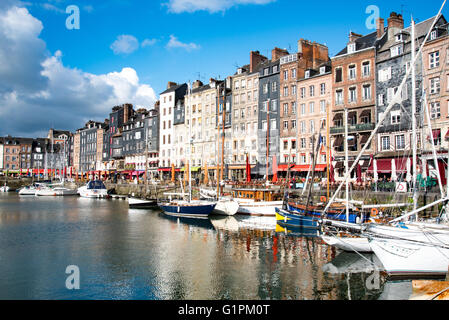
x=384 y=165
x=302 y=168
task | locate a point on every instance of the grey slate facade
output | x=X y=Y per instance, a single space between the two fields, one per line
x=269 y=90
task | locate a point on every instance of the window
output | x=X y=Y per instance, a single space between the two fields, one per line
x=367 y=92
x=312 y=91
x=293 y=73
x=307 y=74
x=265 y=88
x=273 y=125
x=293 y=107
x=312 y=126
x=352 y=94
x=339 y=97
x=323 y=106
x=274 y=105
x=385 y=74
x=396 y=51
x=433 y=35
x=434 y=59
x=285 y=109
x=395 y=117
x=264 y=125
x=385 y=143
x=400 y=142
x=285 y=91
x=323 y=89
x=366 y=69
x=338 y=75
x=303 y=93
x=293 y=124
x=380 y=100
x=435 y=85
x=322 y=70
x=266 y=71
x=302 y=126
x=303 y=109
x=285 y=125
x=274 y=87
x=275 y=69
x=435 y=110
x=351 y=48
x=293 y=90
x=399 y=37
x=352 y=72
x=303 y=143
x=312 y=107
x=436 y=137
x=286 y=75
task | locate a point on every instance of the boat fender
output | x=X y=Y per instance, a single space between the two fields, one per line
x=374 y=212
x=323 y=199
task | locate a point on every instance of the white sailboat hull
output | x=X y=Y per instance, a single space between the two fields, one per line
x=4 y=189
x=226 y=207
x=406 y=258
x=27 y=192
x=56 y=192
x=93 y=194
x=263 y=208
x=349 y=244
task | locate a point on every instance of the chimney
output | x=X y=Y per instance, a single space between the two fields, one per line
x=395 y=21
x=171 y=85
x=277 y=53
x=320 y=55
x=255 y=60
x=354 y=36
x=197 y=84
x=395 y=24
x=380 y=28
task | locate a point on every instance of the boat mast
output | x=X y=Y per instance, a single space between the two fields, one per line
x=190 y=144
x=347 y=164
x=314 y=152
x=223 y=133
x=146 y=158
x=268 y=139
x=414 y=138
x=218 y=139
x=328 y=151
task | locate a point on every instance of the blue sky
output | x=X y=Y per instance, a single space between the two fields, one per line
x=224 y=37
x=127 y=50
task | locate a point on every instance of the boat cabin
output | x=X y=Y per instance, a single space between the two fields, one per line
x=257 y=194
x=96 y=185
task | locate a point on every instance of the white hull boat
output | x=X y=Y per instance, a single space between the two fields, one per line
x=136 y=203
x=4 y=189
x=94 y=190
x=262 y=208
x=27 y=191
x=404 y=258
x=55 y=192
x=226 y=207
x=349 y=244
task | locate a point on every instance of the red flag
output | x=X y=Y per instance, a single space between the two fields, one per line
x=248 y=170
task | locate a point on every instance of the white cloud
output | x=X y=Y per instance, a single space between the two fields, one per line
x=37 y=91
x=175 y=43
x=125 y=44
x=148 y=42
x=213 y=6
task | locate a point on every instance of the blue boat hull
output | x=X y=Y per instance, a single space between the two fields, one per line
x=193 y=211
x=290 y=219
x=331 y=216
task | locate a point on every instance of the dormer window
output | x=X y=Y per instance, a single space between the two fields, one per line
x=239 y=71
x=396 y=51
x=351 y=48
x=399 y=37
x=322 y=70
x=307 y=75
x=433 y=35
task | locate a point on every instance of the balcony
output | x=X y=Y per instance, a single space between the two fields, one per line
x=355 y=128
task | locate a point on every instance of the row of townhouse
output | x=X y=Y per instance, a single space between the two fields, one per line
x=275 y=112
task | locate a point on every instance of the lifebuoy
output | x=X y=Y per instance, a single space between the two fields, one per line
x=323 y=199
x=374 y=212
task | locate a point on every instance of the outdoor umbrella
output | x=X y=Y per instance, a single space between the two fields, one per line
x=248 y=170
x=359 y=173
x=393 y=170
x=409 y=171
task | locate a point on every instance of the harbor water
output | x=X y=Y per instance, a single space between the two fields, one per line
x=143 y=254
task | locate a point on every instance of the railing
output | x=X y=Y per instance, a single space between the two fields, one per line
x=354 y=128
